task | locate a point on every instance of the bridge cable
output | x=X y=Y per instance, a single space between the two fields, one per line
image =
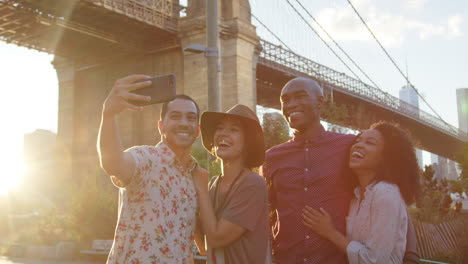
x=398 y=68
x=326 y=44
x=339 y=47
x=271 y=32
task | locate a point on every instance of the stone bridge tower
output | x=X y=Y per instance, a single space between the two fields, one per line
x=85 y=81
x=238 y=43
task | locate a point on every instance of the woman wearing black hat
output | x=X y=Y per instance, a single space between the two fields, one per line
x=233 y=207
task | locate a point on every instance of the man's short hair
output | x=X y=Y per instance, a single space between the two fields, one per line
x=179 y=96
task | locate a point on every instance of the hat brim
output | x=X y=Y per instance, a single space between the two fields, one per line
x=254 y=140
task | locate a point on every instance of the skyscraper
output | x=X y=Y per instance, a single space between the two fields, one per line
x=409 y=95
x=462 y=105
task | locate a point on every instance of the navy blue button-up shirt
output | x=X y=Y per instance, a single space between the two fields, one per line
x=308 y=171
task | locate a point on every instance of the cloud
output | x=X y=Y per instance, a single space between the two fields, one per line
x=415 y=4
x=454 y=25
x=391 y=29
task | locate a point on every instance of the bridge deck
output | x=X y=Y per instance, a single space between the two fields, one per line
x=102 y=28
x=277 y=65
x=84 y=28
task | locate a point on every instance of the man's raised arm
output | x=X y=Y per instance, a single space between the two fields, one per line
x=112 y=157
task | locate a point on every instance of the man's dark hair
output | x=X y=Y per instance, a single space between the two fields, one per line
x=179 y=96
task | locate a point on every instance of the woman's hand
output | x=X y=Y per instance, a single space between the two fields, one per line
x=200 y=179
x=319 y=221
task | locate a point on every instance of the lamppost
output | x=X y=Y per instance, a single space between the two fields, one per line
x=211 y=51
x=212 y=54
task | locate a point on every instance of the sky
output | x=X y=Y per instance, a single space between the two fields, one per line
x=29 y=92
x=427 y=38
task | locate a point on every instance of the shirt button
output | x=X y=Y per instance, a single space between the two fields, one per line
x=305 y=260
x=307 y=237
x=306 y=169
x=305 y=189
x=307 y=149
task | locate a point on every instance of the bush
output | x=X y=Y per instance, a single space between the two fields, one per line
x=93 y=210
x=275 y=129
x=434 y=203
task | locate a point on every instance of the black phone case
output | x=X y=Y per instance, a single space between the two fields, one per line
x=162 y=89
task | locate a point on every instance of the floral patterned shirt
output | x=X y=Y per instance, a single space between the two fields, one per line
x=157 y=210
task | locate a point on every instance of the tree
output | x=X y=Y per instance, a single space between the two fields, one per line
x=204 y=159
x=275 y=129
x=434 y=201
x=462 y=156
x=336 y=114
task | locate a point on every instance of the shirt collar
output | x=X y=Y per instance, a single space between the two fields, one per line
x=169 y=156
x=299 y=137
x=357 y=190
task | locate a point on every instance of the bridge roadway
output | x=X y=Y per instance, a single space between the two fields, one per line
x=277 y=65
x=91 y=30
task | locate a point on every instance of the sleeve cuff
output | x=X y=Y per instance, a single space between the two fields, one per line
x=352 y=250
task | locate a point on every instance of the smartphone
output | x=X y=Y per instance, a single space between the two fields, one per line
x=162 y=89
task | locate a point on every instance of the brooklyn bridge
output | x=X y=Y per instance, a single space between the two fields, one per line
x=96 y=42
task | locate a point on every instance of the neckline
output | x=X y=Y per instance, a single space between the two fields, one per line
x=299 y=137
x=216 y=194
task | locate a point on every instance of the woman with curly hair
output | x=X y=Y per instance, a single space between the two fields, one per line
x=383 y=160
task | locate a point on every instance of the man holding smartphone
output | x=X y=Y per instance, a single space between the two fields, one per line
x=157 y=198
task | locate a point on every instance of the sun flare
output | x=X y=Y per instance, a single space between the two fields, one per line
x=12 y=174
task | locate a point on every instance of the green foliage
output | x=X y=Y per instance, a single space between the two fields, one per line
x=462 y=158
x=336 y=114
x=275 y=129
x=93 y=210
x=205 y=160
x=92 y=214
x=460 y=186
x=200 y=153
x=47 y=228
x=434 y=201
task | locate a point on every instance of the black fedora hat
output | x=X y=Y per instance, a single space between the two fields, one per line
x=255 y=142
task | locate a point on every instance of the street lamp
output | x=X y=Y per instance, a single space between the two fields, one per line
x=212 y=55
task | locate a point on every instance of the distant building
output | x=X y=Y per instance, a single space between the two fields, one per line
x=462 y=105
x=408 y=95
x=452 y=173
x=443 y=168
x=435 y=164
x=419 y=156
x=39 y=147
x=45 y=159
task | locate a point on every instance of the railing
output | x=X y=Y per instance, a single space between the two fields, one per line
x=160 y=13
x=277 y=57
x=431 y=262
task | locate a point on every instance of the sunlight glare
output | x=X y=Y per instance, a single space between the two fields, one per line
x=12 y=174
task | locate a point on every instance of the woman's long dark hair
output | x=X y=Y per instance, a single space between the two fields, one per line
x=399 y=163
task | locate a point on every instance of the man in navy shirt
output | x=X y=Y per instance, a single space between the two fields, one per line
x=310 y=169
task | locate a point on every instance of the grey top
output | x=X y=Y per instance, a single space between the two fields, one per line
x=377 y=225
x=247 y=206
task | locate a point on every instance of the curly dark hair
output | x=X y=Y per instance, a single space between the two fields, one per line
x=400 y=165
